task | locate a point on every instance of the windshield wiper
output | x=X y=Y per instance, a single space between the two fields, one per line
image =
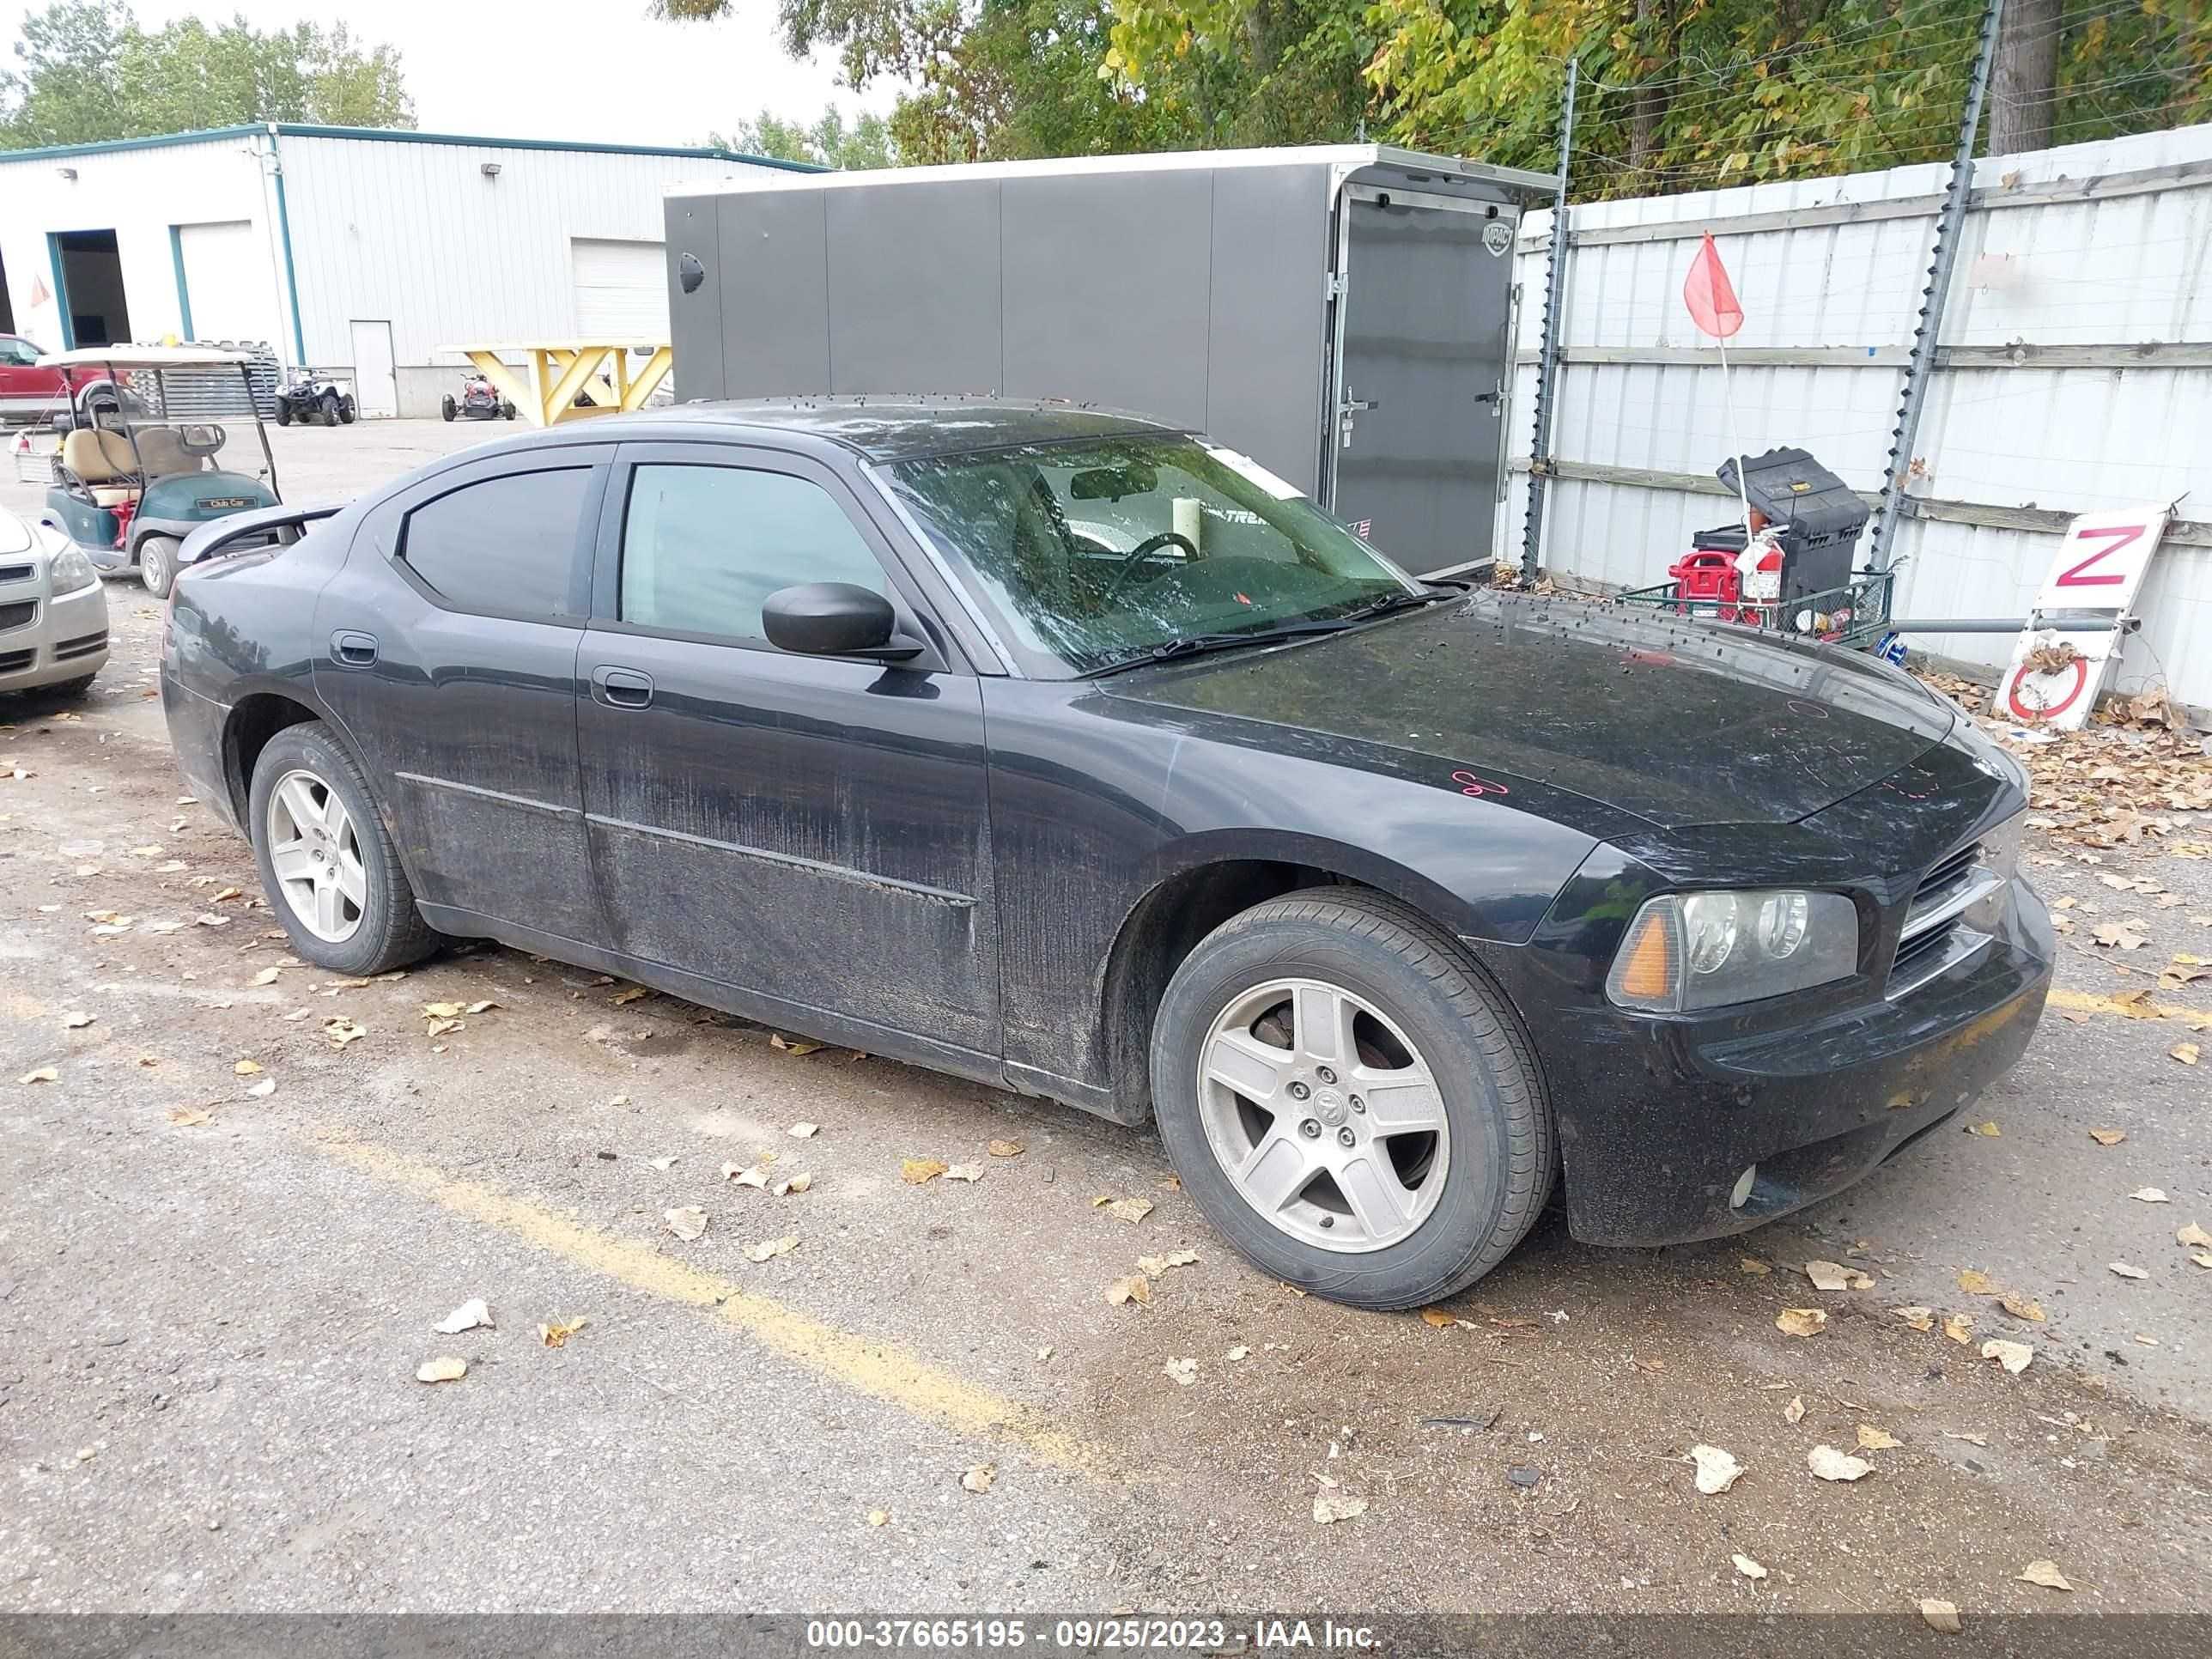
x=1192 y=644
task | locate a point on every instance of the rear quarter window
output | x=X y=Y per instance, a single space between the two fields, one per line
x=504 y=547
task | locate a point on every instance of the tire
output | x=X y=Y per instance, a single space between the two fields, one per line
x=71 y=690
x=446 y=407
x=347 y=410
x=1420 y=999
x=283 y=412
x=506 y=411
x=157 y=563
x=330 y=407
x=382 y=929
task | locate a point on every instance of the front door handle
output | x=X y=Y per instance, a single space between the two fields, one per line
x=353 y=649
x=621 y=688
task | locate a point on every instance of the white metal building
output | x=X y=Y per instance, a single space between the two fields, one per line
x=342 y=247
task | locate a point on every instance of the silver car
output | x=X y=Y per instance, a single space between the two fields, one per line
x=53 y=611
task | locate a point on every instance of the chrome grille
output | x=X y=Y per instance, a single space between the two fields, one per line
x=1933 y=937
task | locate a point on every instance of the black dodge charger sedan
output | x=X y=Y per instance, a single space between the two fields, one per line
x=1079 y=754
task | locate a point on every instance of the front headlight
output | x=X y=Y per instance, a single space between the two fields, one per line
x=1690 y=950
x=72 y=570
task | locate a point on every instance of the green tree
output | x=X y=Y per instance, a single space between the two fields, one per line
x=829 y=143
x=90 y=72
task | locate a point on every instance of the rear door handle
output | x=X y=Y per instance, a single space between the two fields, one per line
x=352 y=648
x=621 y=688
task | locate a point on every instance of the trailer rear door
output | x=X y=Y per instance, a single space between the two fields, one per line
x=1421 y=372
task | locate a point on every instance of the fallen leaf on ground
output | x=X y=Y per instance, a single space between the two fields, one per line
x=667 y=1162
x=227 y=893
x=2186 y=1053
x=1718 y=1469
x=797 y=1046
x=1973 y=1439
x=1753 y=1264
x=1182 y=1371
x=1802 y=1322
x=189 y=1117
x=246 y=1067
x=2127 y=1270
x=1330 y=1507
x=792 y=1183
x=40 y=1074
x=979 y=1478
x=2021 y=1307
x=621 y=997
x=1153 y=1265
x=1436 y=1316
x=440 y=1010
x=1829 y=1464
x=1874 y=1439
x=1974 y=1282
x=770 y=1248
x=447 y=1368
x=2013 y=1355
x=2193 y=1235
x=1794 y=1412
x=75 y=1022
x=466 y=1317
x=1747 y=1567
x=1918 y=1318
x=1135 y=1288
x=1240 y=1352
x=1942 y=1617
x=753 y=1175
x=1834 y=1276
x=556 y=1330
x=970 y=1173
x=916 y=1171
x=2150 y=1195
x=2045 y=1573
x=2108 y=1137
x=1007 y=1149
x=1987 y=1128
x=341 y=1030
x=803 y=1131
x=1959 y=1327
x=267 y=977
x=1131 y=1210
x=687 y=1222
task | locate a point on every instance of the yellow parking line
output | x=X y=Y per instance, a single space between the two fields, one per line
x=881 y=1370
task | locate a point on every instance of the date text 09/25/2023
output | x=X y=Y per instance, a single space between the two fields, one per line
x=1088 y=1635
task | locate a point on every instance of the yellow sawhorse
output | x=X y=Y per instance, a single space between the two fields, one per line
x=557 y=374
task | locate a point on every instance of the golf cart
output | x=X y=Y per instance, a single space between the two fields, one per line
x=136 y=475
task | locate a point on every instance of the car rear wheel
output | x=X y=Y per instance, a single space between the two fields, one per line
x=1349 y=1101
x=331 y=874
x=157 y=563
x=347 y=410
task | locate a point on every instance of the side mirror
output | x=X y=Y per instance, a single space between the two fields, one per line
x=835 y=619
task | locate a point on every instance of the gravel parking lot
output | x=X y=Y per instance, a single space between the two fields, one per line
x=215 y=1294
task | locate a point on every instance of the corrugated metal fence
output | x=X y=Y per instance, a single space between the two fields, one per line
x=2075 y=373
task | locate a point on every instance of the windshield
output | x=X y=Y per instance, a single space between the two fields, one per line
x=1089 y=554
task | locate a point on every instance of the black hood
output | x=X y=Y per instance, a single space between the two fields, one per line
x=1677 y=722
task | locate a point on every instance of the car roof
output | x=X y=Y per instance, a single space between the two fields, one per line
x=908 y=427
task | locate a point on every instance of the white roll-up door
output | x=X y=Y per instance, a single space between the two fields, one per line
x=229 y=283
x=621 y=291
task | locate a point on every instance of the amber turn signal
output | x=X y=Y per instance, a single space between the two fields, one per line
x=1644 y=971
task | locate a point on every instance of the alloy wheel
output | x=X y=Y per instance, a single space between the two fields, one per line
x=1325 y=1118
x=316 y=855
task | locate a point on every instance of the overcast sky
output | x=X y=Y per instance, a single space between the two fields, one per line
x=503 y=68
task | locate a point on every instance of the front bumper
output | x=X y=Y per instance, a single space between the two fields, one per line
x=65 y=639
x=1660 y=1117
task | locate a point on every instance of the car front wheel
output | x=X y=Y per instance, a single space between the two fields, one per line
x=1349 y=1101
x=331 y=874
x=157 y=563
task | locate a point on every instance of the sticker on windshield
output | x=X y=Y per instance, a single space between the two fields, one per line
x=1250 y=469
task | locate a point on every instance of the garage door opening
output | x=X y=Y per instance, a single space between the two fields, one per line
x=621 y=291
x=93 y=309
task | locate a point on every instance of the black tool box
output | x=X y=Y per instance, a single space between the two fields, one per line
x=1821 y=518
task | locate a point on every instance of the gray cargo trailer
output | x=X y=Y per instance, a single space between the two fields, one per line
x=1341 y=314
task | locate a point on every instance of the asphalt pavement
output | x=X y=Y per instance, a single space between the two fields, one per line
x=215 y=1295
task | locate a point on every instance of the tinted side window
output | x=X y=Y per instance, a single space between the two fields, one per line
x=506 y=546
x=703 y=546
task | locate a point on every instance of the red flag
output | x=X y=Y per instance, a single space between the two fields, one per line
x=1708 y=294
